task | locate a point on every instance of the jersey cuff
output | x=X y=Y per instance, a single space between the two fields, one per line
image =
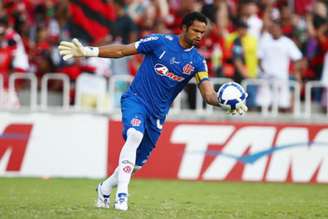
x=201 y=81
x=201 y=76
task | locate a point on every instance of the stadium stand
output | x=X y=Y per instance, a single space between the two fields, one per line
x=30 y=32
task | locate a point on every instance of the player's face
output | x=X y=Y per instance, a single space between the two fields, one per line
x=194 y=33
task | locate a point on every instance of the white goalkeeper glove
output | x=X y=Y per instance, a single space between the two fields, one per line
x=75 y=49
x=241 y=108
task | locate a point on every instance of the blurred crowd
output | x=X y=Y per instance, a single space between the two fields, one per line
x=277 y=40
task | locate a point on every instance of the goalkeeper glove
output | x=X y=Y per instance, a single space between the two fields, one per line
x=75 y=49
x=241 y=108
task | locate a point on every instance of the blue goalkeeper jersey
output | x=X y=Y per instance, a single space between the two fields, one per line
x=166 y=69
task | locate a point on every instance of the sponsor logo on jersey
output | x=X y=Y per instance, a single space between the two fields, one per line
x=162 y=70
x=135 y=122
x=187 y=69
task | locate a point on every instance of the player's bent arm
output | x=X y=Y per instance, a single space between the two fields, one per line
x=208 y=93
x=117 y=50
x=210 y=96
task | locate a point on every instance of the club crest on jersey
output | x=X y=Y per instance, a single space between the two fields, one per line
x=162 y=70
x=187 y=69
x=135 y=122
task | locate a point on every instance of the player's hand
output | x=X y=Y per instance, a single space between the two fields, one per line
x=241 y=109
x=75 y=49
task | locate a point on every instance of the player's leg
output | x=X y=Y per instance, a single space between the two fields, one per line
x=133 y=114
x=105 y=188
x=144 y=151
x=122 y=174
x=110 y=183
x=133 y=119
x=126 y=166
x=153 y=128
x=146 y=146
x=142 y=154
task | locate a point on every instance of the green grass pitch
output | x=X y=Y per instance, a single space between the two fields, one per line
x=75 y=198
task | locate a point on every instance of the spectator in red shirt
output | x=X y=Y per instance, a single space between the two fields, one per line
x=13 y=56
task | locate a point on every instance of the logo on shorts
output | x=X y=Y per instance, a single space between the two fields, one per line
x=127 y=169
x=135 y=122
x=187 y=69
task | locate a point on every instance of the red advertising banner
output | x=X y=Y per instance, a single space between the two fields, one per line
x=233 y=151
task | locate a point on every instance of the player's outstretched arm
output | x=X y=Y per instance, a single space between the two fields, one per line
x=117 y=50
x=75 y=49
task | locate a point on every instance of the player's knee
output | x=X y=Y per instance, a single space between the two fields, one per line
x=134 y=135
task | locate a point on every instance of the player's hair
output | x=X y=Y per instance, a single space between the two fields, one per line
x=189 y=18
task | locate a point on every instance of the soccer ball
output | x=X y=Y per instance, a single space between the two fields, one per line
x=230 y=94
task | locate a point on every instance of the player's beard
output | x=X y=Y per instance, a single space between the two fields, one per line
x=196 y=43
x=192 y=42
x=188 y=40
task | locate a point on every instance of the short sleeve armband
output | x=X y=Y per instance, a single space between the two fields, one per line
x=202 y=73
x=201 y=76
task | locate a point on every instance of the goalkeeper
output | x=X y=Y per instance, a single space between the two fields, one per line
x=170 y=62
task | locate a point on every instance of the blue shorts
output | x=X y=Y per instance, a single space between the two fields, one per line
x=135 y=115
